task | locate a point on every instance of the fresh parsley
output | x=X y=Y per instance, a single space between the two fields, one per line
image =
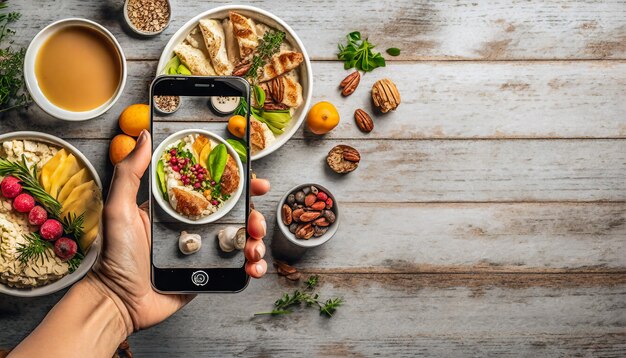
x=358 y=53
x=287 y=301
x=13 y=93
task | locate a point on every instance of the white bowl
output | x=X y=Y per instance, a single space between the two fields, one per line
x=306 y=74
x=33 y=85
x=95 y=248
x=156 y=193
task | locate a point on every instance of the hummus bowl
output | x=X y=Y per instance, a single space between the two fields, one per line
x=183 y=182
x=60 y=277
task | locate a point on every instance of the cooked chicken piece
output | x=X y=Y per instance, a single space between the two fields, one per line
x=214 y=40
x=232 y=48
x=189 y=203
x=260 y=135
x=281 y=64
x=230 y=177
x=194 y=59
x=245 y=33
x=284 y=90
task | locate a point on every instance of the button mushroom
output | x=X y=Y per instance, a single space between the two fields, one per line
x=232 y=238
x=189 y=243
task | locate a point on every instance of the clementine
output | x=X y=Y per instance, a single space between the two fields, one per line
x=237 y=126
x=322 y=118
x=135 y=118
x=121 y=146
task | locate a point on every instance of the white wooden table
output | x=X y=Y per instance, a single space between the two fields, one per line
x=488 y=215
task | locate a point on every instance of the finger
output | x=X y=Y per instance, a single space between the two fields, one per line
x=256 y=269
x=127 y=174
x=259 y=187
x=254 y=250
x=256 y=225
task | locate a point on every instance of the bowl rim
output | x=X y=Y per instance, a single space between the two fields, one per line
x=307 y=244
x=96 y=247
x=307 y=70
x=31 y=79
x=156 y=194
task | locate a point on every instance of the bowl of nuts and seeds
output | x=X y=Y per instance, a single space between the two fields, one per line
x=147 y=17
x=308 y=215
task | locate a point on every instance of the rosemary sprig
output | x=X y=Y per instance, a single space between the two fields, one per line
x=34 y=249
x=284 y=304
x=75 y=261
x=268 y=46
x=29 y=181
x=73 y=224
x=13 y=93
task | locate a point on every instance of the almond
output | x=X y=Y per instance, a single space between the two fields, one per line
x=310 y=199
x=350 y=83
x=310 y=216
x=318 y=205
x=363 y=120
x=321 y=222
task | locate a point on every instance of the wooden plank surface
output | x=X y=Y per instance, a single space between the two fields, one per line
x=391 y=315
x=488 y=215
x=444 y=100
x=424 y=30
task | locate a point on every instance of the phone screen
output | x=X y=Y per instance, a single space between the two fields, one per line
x=200 y=180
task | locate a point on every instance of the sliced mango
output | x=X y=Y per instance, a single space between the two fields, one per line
x=49 y=168
x=88 y=238
x=198 y=144
x=77 y=179
x=63 y=173
x=85 y=199
x=204 y=154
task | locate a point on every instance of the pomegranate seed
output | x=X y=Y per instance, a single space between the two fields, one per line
x=196 y=185
x=213 y=202
x=175 y=168
x=200 y=176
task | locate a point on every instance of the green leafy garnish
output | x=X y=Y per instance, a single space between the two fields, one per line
x=285 y=303
x=276 y=120
x=217 y=162
x=13 y=92
x=73 y=225
x=393 y=51
x=75 y=261
x=268 y=46
x=358 y=53
x=239 y=147
x=35 y=248
x=259 y=95
x=29 y=181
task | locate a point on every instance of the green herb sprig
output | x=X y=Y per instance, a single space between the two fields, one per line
x=29 y=181
x=35 y=248
x=285 y=303
x=268 y=46
x=358 y=53
x=13 y=92
x=75 y=261
x=73 y=225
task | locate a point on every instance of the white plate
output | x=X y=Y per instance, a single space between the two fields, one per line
x=306 y=75
x=96 y=247
x=156 y=193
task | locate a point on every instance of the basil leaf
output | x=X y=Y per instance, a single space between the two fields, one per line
x=240 y=148
x=217 y=162
x=354 y=36
x=393 y=51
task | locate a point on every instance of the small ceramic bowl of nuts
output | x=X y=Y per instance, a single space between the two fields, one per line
x=308 y=215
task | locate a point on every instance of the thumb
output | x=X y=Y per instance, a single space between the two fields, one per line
x=127 y=174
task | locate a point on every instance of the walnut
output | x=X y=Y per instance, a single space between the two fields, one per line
x=385 y=95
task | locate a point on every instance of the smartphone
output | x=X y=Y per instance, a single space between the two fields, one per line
x=199 y=184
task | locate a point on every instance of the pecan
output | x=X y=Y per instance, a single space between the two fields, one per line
x=305 y=231
x=287 y=214
x=350 y=83
x=351 y=155
x=283 y=268
x=336 y=161
x=321 y=222
x=276 y=89
x=385 y=95
x=310 y=216
x=271 y=106
x=363 y=120
x=242 y=69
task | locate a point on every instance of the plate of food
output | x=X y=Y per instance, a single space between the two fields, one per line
x=252 y=43
x=50 y=214
x=197 y=176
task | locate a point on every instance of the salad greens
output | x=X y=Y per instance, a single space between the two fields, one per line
x=217 y=162
x=358 y=53
x=239 y=147
x=276 y=120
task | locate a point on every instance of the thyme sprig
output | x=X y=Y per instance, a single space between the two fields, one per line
x=34 y=249
x=268 y=46
x=285 y=303
x=28 y=177
x=13 y=93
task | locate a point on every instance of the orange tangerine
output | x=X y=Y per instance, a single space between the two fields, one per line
x=121 y=146
x=237 y=126
x=135 y=118
x=322 y=118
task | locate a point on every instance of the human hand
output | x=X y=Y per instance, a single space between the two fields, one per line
x=124 y=268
